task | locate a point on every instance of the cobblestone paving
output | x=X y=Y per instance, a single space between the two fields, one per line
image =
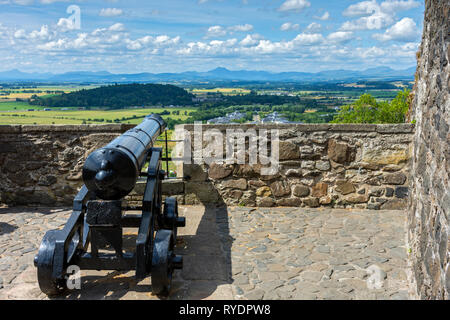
x=237 y=253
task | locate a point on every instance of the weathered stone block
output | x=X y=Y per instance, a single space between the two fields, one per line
x=323 y=165
x=234 y=195
x=383 y=156
x=205 y=192
x=338 y=152
x=344 y=187
x=300 y=191
x=263 y=192
x=218 y=171
x=288 y=151
x=195 y=172
x=236 y=184
x=395 y=204
x=246 y=171
x=319 y=190
x=280 y=189
x=256 y=184
x=401 y=192
x=396 y=178
x=289 y=202
x=359 y=198
x=266 y=202
x=311 y=202
x=389 y=192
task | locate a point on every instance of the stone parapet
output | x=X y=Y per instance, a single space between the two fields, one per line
x=362 y=166
x=332 y=165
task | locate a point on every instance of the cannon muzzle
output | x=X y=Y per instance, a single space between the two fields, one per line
x=112 y=171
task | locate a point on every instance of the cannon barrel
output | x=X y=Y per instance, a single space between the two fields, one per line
x=112 y=171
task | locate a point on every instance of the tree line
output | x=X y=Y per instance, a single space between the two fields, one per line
x=119 y=96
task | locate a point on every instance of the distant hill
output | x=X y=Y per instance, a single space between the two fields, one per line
x=218 y=74
x=119 y=96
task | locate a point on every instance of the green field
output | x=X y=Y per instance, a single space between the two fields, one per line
x=9 y=115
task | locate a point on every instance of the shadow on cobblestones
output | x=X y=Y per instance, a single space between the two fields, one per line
x=205 y=245
x=6 y=228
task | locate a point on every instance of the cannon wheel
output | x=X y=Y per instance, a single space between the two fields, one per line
x=44 y=263
x=170 y=216
x=162 y=266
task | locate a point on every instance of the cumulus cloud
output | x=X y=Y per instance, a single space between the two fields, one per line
x=396 y=5
x=360 y=9
x=219 y=31
x=294 y=5
x=374 y=16
x=241 y=28
x=340 y=36
x=117 y=27
x=65 y=25
x=404 y=30
x=376 y=21
x=289 y=26
x=110 y=12
x=308 y=39
x=250 y=40
x=216 y=31
x=323 y=17
x=313 y=27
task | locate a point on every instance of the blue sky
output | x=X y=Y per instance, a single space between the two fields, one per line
x=130 y=36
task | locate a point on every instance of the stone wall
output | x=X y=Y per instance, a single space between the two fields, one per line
x=341 y=166
x=428 y=220
x=362 y=166
x=41 y=165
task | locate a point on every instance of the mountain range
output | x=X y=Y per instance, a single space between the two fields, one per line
x=218 y=74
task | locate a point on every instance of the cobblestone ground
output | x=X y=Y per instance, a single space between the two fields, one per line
x=237 y=253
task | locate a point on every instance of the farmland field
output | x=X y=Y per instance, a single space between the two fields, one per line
x=55 y=116
x=27 y=92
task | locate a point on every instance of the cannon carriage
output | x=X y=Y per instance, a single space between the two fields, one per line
x=99 y=216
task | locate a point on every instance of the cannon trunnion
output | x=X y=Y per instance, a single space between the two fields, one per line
x=99 y=216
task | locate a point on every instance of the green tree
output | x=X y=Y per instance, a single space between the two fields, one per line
x=368 y=110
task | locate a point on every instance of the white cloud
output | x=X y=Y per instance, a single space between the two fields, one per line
x=41 y=34
x=289 y=26
x=374 y=16
x=241 y=28
x=313 y=27
x=216 y=31
x=404 y=30
x=117 y=27
x=20 y=34
x=376 y=21
x=65 y=25
x=340 y=36
x=294 y=5
x=110 y=12
x=395 y=5
x=323 y=17
x=250 y=40
x=219 y=31
x=361 y=9
x=308 y=39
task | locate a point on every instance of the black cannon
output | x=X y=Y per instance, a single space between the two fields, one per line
x=99 y=216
